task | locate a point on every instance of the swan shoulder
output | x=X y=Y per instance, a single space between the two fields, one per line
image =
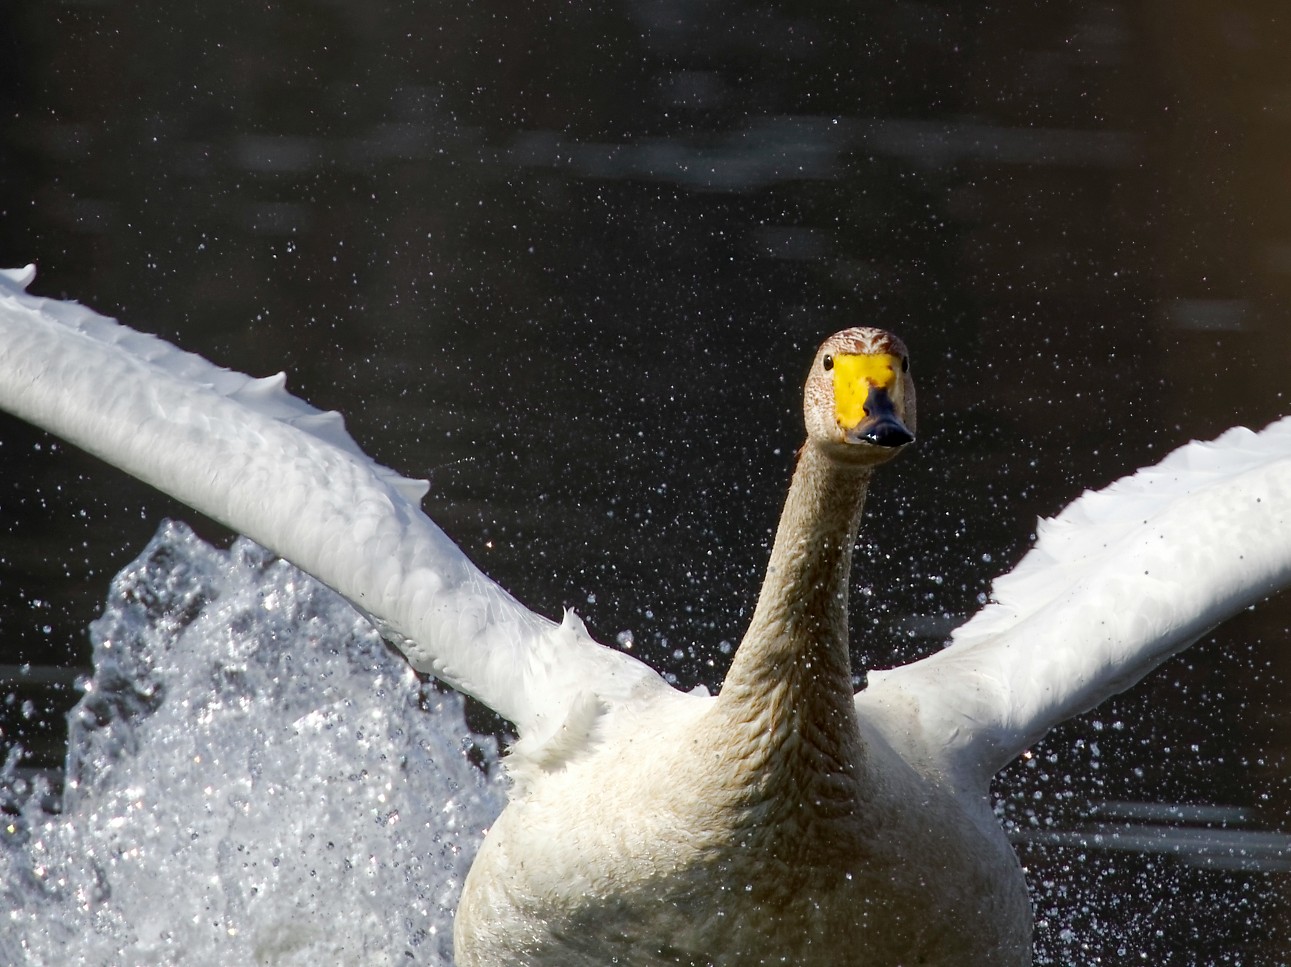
x=1120 y=580
x=272 y=467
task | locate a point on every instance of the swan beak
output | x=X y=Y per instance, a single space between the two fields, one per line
x=864 y=385
x=880 y=427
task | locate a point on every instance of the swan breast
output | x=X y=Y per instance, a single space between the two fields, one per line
x=649 y=853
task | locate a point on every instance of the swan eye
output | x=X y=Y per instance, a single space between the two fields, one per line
x=828 y=363
x=905 y=364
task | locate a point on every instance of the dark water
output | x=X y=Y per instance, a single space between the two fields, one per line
x=570 y=264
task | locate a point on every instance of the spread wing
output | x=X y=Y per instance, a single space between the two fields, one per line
x=269 y=466
x=1122 y=579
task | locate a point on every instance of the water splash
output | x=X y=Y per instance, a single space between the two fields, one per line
x=253 y=777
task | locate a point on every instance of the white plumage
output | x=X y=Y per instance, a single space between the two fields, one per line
x=639 y=843
x=270 y=466
x=1118 y=582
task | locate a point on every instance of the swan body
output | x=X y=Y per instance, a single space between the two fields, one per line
x=786 y=820
x=678 y=858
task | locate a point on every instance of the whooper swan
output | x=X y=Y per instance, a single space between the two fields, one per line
x=786 y=820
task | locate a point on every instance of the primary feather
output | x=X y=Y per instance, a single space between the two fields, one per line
x=287 y=475
x=1118 y=582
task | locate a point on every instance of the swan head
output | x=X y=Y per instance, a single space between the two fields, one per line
x=859 y=398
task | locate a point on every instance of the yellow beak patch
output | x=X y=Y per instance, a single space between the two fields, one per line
x=854 y=376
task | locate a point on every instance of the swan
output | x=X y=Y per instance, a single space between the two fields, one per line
x=785 y=820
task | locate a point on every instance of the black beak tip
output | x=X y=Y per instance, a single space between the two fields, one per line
x=881 y=426
x=887 y=433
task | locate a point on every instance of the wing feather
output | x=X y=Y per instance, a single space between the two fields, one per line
x=287 y=475
x=1118 y=582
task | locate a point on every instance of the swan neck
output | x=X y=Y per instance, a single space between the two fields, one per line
x=798 y=637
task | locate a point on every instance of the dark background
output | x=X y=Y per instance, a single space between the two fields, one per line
x=570 y=262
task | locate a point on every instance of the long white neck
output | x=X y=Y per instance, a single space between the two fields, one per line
x=789 y=689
